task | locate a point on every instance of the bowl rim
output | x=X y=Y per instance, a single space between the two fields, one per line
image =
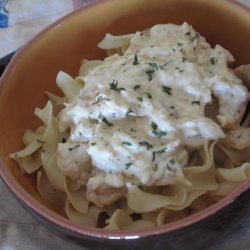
x=62 y=222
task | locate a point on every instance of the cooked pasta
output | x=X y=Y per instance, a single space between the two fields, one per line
x=149 y=135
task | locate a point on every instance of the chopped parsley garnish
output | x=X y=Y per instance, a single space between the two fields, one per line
x=140 y=99
x=196 y=103
x=184 y=59
x=40 y=141
x=63 y=140
x=153 y=65
x=146 y=144
x=133 y=130
x=150 y=74
x=109 y=124
x=128 y=165
x=135 y=62
x=168 y=167
x=172 y=107
x=123 y=64
x=137 y=87
x=160 y=133
x=93 y=121
x=129 y=112
x=180 y=70
x=127 y=143
x=114 y=86
x=195 y=37
x=100 y=99
x=148 y=95
x=180 y=44
x=167 y=90
x=155 y=167
x=188 y=34
x=72 y=148
x=172 y=161
x=212 y=60
x=93 y=143
x=156 y=131
x=154 y=126
x=162 y=66
x=161 y=151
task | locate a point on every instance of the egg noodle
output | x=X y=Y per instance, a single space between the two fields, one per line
x=149 y=135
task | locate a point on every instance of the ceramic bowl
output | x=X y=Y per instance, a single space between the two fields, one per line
x=61 y=46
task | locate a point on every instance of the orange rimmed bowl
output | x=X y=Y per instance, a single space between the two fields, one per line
x=61 y=46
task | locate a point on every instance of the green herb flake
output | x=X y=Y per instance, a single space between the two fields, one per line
x=188 y=34
x=129 y=112
x=159 y=134
x=172 y=161
x=148 y=95
x=93 y=121
x=153 y=65
x=156 y=131
x=40 y=141
x=140 y=99
x=195 y=37
x=100 y=99
x=196 y=103
x=169 y=168
x=181 y=70
x=150 y=74
x=184 y=59
x=63 y=140
x=146 y=144
x=127 y=143
x=167 y=90
x=135 y=62
x=155 y=167
x=93 y=143
x=179 y=44
x=114 y=86
x=74 y=147
x=162 y=66
x=128 y=165
x=154 y=126
x=137 y=87
x=109 y=124
x=212 y=60
x=133 y=130
x=159 y=152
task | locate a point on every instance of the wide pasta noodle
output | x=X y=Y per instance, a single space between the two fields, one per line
x=147 y=172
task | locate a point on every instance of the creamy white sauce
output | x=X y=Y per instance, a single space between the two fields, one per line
x=142 y=112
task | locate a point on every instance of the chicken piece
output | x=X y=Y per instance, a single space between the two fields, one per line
x=243 y=72
x=74 y=161
x=237 y=138
x=104 y=194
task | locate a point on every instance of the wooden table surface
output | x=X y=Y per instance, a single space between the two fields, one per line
x=19 y=231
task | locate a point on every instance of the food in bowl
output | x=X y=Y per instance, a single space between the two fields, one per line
x=151 y=133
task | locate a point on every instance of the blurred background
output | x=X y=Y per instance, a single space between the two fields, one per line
x=20 y=20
